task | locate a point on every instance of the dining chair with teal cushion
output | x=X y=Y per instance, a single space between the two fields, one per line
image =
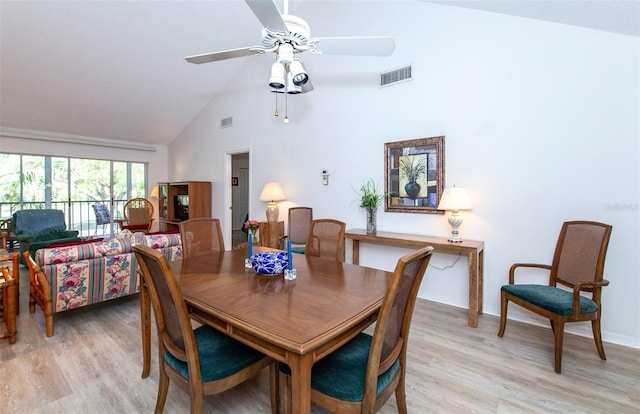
x=201 y=362
x=361 y=375
x=577 y=267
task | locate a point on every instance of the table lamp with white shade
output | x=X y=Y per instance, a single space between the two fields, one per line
x=455 y=199
x=272 y=192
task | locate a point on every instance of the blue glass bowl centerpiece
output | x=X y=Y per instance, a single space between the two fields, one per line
x=269 y=263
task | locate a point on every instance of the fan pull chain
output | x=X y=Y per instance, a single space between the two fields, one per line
x=276 y=113
x=286 y=107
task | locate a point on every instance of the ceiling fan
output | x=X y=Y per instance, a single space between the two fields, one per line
x=287 y=36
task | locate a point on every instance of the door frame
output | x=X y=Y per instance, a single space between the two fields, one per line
x=227 y=225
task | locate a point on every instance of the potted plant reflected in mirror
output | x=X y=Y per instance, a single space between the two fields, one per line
x=412 y=167
x=370 y=199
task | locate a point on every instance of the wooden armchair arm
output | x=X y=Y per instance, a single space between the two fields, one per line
x=588 y=286
x=512 y=270
x=40 y=292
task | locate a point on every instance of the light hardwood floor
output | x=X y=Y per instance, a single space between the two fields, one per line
x=93 y=363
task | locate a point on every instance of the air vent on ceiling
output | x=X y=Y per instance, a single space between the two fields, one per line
x=396 y=75
x=226 y=122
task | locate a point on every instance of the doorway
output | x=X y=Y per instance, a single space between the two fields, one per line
x=239 y=196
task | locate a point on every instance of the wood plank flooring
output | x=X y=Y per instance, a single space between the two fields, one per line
x=93 y=363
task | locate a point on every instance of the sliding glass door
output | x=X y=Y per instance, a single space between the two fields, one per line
x=73 y=185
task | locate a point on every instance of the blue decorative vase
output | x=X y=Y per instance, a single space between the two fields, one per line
x=412 y=189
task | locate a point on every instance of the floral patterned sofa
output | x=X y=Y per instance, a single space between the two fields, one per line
x=83 y=274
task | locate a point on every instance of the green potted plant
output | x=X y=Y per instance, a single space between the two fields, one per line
x=412 y=168
x=370 y=199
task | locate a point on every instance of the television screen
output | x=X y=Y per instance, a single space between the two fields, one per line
x=181 y=207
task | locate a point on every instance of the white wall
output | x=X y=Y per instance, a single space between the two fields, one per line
x=541 y=126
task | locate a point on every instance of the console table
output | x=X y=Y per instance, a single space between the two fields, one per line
x=472 y=248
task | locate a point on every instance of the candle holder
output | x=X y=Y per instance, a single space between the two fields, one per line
x=290 y=274
x=247 y=263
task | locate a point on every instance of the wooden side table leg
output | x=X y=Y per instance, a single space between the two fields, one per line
x=473 y=289
x=10 y=313
x=480 y=281
x=15 y=258
x=355 y=255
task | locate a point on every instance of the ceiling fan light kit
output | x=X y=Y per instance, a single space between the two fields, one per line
x=299 y=74
x=288 y=36
x=277 y=80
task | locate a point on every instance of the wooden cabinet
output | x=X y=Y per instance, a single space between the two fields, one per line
x=271 y=234
x=179 y=201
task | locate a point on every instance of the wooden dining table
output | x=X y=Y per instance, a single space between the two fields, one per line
x=297 y=322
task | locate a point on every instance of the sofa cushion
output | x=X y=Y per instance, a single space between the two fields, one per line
x=74 y=243
x=169 y=244
x=172 y=231
x=38 y=222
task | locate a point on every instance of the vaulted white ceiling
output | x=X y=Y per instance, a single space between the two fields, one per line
x=115 y=69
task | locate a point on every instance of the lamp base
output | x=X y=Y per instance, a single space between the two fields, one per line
x=455 y=221
x=454 y=239
x=272 y=212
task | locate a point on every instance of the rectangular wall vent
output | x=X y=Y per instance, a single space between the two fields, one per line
x=226 y=122
x=396 y=75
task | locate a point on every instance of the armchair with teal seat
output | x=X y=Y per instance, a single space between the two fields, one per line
x=36 y=229
x=577 y=267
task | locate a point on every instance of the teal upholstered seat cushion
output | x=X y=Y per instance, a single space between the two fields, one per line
x=220 y=355
x=551 y=298
x=297 y=249
x=341 y=374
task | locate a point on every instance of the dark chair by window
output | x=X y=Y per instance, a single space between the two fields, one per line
x=103 y=217
x=201 y=236
x=578 y=266
x=326 y=239
x=201 y=362
x=361 y=376
x=299 y=223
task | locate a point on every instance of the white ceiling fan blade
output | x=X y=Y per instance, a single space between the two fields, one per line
x=267 y=12
x=358 y=46
x=225 y=54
